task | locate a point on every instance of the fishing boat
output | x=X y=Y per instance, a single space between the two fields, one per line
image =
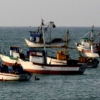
x=36 y=37
x=13 y=77
x=11 y=58
x=89 y=45
x=10 y=74
x=38 y=63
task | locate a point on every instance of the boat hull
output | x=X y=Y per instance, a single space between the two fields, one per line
x=91 y=54
x=8 y=60
x=55 y=72
x=14 y=77
x=52 y=69
x=37 y=45
x=87 y=52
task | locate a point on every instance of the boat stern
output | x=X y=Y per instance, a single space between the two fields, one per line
x=25 y=76
x=82 y=68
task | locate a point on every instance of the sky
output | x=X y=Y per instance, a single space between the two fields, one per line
x=61 y=12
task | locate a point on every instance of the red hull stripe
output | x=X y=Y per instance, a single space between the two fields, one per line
x=54 y=72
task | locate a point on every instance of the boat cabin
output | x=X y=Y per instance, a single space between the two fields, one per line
x=85 y=39
x=14 y=51
x=85 y=42
x=37 y=56
x=35 y=37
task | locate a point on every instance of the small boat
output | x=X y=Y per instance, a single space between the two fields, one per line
x=36 y=38
x=13 y=77
x=89 y=45
x=92 y=51
x=8 y=74
x=12 y=58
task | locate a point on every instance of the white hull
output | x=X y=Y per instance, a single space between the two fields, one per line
x=33 y=44
x=8 y=60
x=87 y=52
x=52 y=68
x=13 y=77
x=91 y=55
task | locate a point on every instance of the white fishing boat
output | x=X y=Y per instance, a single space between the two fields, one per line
x=36 y=38
x=12 y=58
x=13 y=75
x=71 y=67
x=89 y=45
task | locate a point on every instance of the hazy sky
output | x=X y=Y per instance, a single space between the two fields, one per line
x=62 y=12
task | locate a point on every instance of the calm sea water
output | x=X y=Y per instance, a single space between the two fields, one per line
x=49 y=87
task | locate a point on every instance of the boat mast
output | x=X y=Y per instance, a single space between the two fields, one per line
x=66 y=43
x=92 y=39
x=42 y=25
x=50 y=33
x=92 y=34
